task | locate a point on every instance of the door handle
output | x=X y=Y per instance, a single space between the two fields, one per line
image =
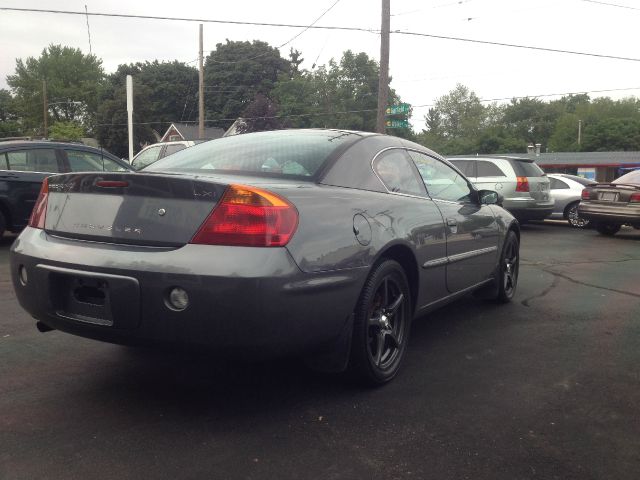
x=452 y=222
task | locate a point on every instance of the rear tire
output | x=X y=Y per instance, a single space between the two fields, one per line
x=608 y=229
x=572 y=216
x=382 y=321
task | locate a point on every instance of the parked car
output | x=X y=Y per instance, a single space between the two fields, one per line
x=25 y=164
x=611 y=205
x=522 y=183
x=319 y=243
x=566 y=190
x=153 y=153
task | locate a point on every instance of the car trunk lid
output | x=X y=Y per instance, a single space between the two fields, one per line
x=140 y=209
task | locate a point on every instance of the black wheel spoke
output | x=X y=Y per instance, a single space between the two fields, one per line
x=393 y=308
x=380 y=341
x=393 y=339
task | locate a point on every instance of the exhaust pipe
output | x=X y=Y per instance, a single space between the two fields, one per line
x=42 y=327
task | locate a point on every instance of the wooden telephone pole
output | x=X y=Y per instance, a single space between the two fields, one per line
x=383 y=82
x=45 y=109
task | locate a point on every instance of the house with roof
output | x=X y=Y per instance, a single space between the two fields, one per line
x=189 y=131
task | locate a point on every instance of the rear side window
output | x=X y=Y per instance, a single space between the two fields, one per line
x=556 y=184
x=488 y=169
x=146 y=157
x=281 y=153
x=395 y=171
x=34 y=160
x=173 y=149
x=526 y=169
x=467 y=167
x=81 y=161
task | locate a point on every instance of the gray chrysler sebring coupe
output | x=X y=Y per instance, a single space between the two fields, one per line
x=323 y=244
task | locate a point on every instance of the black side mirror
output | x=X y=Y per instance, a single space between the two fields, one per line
x=489 y=197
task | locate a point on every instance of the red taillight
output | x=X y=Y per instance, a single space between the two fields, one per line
x=249 y=217
x=635 y=198
x=111 y=183
x=39 y=212
x=586 y=194
x=523 y=184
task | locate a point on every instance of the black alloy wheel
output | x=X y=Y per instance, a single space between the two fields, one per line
x=381 y=324
x=574 y=219
x=608 y=229
x=507 y=276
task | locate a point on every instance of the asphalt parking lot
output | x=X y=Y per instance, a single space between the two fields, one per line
x=545 y=387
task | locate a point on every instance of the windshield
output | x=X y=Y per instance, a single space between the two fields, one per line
x=280 y=153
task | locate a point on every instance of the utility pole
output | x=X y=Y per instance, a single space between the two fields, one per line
x=579 y=132
x=201 y=91
x=130 y=115
x=45 y=108
x=383 y=83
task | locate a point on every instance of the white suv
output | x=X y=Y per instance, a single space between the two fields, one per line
x=522 y=183
x=152 y=153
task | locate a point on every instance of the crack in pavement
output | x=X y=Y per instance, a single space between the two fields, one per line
x=579 y=282
x=531 y=263
x=553 y=285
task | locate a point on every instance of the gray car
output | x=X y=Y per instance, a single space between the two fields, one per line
x=566 y=190
x=522 y=184
x=318 y=243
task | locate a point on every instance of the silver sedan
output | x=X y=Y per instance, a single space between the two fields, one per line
x=566 y=190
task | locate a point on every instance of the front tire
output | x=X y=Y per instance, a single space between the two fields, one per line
x=382 y=321
x=608 y=229
x=574 y=219
x=508 y=269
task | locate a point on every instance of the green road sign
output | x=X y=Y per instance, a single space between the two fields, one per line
x=393 y=123
x=398 y=109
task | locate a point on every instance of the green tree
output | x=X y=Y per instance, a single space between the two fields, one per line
x=9 y=119
x=66 y=131
x=235 y=72
x=341 y=94
x=73 y=81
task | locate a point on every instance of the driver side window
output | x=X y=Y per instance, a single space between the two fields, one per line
x=442 y=181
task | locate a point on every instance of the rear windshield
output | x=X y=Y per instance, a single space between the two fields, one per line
x=282 y=153
x=580 y=180
x=526 y=169
x=631 y=177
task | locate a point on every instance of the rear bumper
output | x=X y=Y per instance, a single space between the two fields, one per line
x=251 y=301
x=608 y=212
x=528 y=208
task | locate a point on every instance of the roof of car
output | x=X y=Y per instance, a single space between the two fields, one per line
x=11 y=144
x=491 y=157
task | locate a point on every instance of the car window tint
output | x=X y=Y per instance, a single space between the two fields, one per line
x=4 y=162
x=466 y=166
x=526 y=169
x=173 y=149
x=395 y=170
x=280 y=153
x=34 y=160
x=442 y=181
x=83 y=161
x=146 y=157
x=488 y=169
x=556 y=184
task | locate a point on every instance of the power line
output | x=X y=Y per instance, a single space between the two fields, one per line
x=543 y=95
x=328 y=27
x=282 y=45
x=610 y=4
x=515 y=45
x=188 y=19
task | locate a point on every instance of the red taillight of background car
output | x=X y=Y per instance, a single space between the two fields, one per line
x=249 y=217
x=635 y=198
x=39 y=212
x=522 y=185
x=586 y=194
